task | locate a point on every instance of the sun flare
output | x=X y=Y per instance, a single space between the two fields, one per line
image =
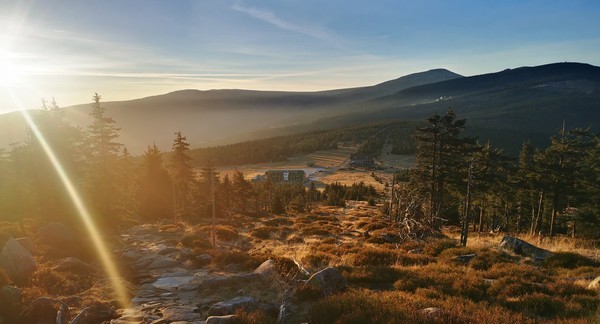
x=10 y=72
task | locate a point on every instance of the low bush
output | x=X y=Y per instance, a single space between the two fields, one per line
x=372 y=274
x=569 y=260
x=538 y=305
x=224 y=232
x=317 y=260
x=263 y=232
x=531 y=273
x=435 y=247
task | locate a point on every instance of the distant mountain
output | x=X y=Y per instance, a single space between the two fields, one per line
x=506 y=106
x=527 y=100
x=222 y=116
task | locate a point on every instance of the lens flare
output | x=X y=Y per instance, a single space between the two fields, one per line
x=108 y=264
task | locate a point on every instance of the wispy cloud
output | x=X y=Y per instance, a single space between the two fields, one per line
x=269 y=17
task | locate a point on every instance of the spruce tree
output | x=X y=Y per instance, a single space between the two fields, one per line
x=154 y=194
x=183 y=176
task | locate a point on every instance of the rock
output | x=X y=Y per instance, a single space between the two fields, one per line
x=74 y=265
x=60 y=239
x=180 y=313
x=288 y=311
x=27 y=243
x=226 y=319
x=231 y=281
x=17 y=261
x=10 y=302
x=267 y=268
x=595 y=284
x=248 y=304
x=41 y=310
x=163 y=262
x=465 y=258
x=169 y=283
x=521 y=247
x=328 y=280
x=203 y=259
x=431 y=312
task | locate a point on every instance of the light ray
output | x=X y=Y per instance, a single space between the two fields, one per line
x=101 y=248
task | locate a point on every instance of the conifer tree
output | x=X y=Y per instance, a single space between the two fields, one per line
x=154 y=193
x=182 y=175
x=103 y=165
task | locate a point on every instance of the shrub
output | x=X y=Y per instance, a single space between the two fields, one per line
x=224 y=232
x=196 y=240
x=371 y=274
x=569 y=260
x=435 y=247
x=317 y=260
x=279 y=221
x=538 y=305
x=263 y=232
x=507 y=288
x=308 y=292
x=257 y=316
x=529 y=272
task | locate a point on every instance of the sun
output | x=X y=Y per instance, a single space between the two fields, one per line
x=11 y=74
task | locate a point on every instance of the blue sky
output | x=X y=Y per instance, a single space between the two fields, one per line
x=129 y=49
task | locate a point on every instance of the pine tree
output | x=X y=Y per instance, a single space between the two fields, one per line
x=103 y=165
x=441 y=163
x=182 y=175
x=155 y=192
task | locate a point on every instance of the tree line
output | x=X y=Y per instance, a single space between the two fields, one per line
x=545 y=191
x=118 y=187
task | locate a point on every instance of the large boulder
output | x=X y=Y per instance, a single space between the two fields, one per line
x=17 y=261
x=41 y=310
x=10 y=299
x=60 y=239
x=229 y=307
x=74 y=265
x=328 y=281
x=521 y=247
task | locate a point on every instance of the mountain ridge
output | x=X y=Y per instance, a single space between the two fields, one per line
x=525 y=100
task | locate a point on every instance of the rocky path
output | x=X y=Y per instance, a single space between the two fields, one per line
x=169 y=291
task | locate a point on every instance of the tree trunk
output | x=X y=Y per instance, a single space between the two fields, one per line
x=480 y=220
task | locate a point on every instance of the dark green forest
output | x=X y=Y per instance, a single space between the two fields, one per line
x=545 y=191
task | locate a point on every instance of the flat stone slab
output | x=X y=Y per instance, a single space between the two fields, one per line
x=169 y=283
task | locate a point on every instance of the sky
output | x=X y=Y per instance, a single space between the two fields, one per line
x=127 y=49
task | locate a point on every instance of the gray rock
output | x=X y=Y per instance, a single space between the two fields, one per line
x=72 y=264
x=203 y=259
x=169 y=283
x=431 y=312
x=267 y=268
x=180 y=313
x=10 y=296
x=27 y=243
x=41 y=310
x=248 y=304
x=595 y=284
x=17 y=261
x=328 y=280
x=465 y=258
x=521 y=247
x=163 y=262
x=226 y=319
x=231 y=281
